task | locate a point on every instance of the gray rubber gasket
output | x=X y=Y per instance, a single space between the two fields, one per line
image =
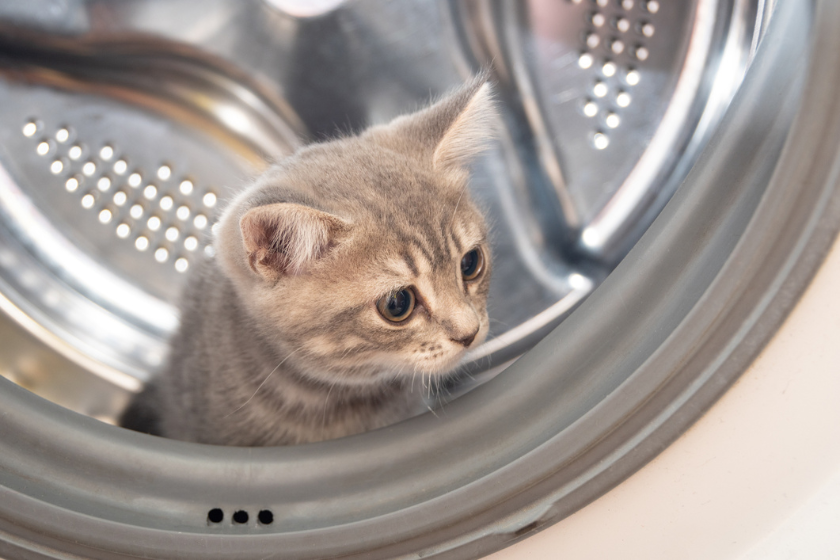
x=630 y=370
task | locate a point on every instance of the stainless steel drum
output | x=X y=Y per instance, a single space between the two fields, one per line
x=125 y=125
x=666 y=184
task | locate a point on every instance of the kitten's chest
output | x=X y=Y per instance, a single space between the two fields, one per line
x=285 y=412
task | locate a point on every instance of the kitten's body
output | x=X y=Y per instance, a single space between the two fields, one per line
x=223 y=369
x=281 y=340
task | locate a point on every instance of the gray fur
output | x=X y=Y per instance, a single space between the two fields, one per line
x=281 y=341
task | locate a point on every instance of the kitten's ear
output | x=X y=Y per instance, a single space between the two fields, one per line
x=454 y=130
x=284 y=238
x=470 y=133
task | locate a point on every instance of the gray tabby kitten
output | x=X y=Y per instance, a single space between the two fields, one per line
x=342 y=274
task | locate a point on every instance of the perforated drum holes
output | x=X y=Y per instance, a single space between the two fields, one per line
x=30 y=128
x=240 y=517
x=600 y=141
x=200 y=221
x=120 y=198
x=88 y=170
x=62 y=134
x=75 y=152
x=265 y=517
x=606 y=49
x=585 y=60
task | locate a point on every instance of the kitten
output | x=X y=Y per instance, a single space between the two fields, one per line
x=342 y=275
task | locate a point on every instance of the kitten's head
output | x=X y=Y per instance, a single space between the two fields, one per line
x=365 y=258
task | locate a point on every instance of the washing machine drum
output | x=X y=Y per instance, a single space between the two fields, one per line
x=663 y=187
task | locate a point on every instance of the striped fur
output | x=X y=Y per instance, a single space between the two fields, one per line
x=281 y=341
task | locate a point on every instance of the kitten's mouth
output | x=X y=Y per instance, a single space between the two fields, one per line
x=441 y=365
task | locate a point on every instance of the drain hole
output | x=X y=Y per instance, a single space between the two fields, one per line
x=266 y=517
x=240 y=517
x=215 y=515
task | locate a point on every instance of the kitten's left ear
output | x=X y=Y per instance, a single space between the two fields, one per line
x=285 y=239
x=469 y=133
x=453 y=131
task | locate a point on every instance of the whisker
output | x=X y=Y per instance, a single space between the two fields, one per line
x=460 y=196
x=263 y=383
x=413 y=379
x=500 y=322
x=326 y=400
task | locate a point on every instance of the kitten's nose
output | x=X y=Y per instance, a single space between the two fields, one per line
x=467 y=340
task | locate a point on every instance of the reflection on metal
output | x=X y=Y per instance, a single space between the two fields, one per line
x=306 y=8
x=125 y=126
x=616 y=98
x=512 y=14
x=709 y=78
x=674 y=124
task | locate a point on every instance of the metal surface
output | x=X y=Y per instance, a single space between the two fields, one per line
x=125 y=124
x=673 y=326
x=615 y=99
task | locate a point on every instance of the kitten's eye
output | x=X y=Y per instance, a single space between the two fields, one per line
x=472 y=264
x=397 y=306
